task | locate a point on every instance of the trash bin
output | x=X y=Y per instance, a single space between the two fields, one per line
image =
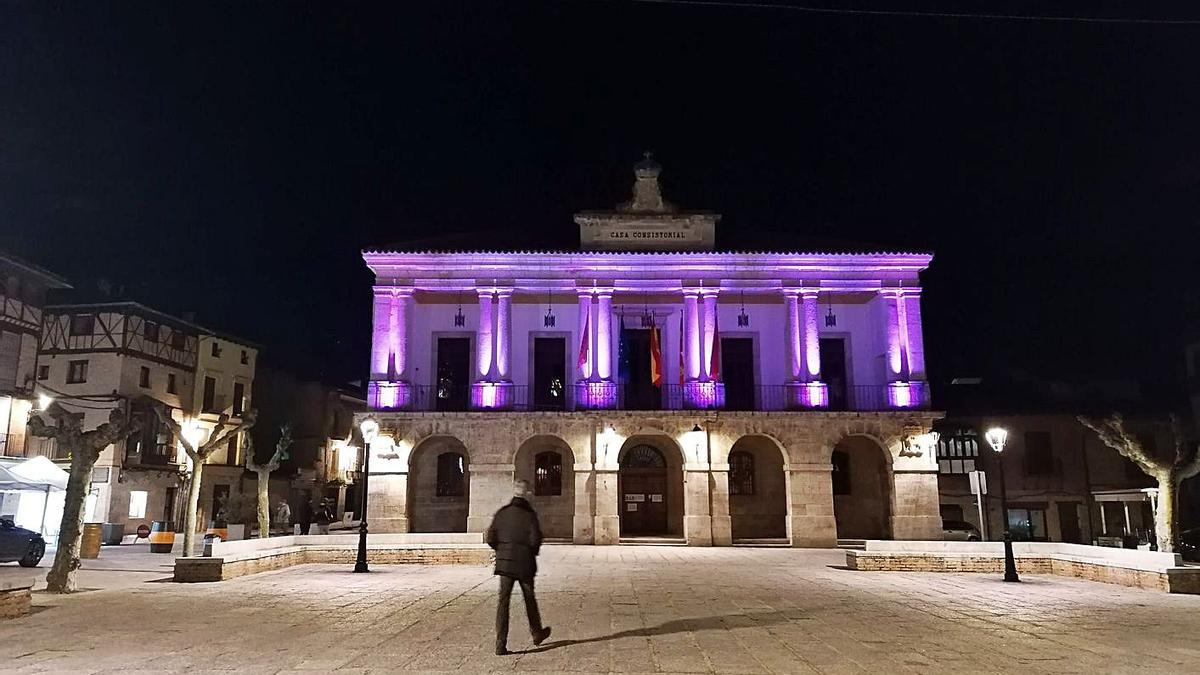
x=92 y=535
x=162 y=537
x=113 y=533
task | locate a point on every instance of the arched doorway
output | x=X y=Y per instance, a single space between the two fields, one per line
x=757 y=489
x=547 y=463
x=439 y=486
x=650 y=490
x=861 y=489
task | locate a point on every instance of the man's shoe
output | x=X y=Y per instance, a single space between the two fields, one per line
x=540 y=636
x=502 y=651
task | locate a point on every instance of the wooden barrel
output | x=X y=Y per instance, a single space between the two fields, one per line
x=92 y=536
x=162 y=537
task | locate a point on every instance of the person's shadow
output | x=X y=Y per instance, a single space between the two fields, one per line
x=755 y=619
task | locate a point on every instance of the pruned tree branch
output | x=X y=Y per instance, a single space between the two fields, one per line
x=1112 y=433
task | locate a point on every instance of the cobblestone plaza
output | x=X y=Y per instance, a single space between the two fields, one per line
x=614 y=609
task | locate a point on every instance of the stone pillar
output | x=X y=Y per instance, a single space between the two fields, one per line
x=387 y=503
x=484 y=347
x=491 y=488
x=915 y=506
x=381 y=316
x=810 y=336
x=401 y=311
x=795 y=353
x=810 y=519
x=604 y=335
x=607 y=530
x=708 y=337
x=915 y=343
x=585 y=498
x=697 y=516
x=504 y=335
x=584 y=337
x=895 y=346
x=722 y=525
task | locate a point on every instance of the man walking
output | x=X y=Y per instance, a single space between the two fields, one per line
x=283 y=517
x=516 y=536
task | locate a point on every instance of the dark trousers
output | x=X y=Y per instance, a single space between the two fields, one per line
x=531 y=608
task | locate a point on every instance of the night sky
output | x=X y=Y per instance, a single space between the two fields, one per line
x=233 y=159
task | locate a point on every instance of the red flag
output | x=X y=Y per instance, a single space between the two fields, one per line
x=714 y=359
x=655 y=358
x=682 y=369
x=585 y=343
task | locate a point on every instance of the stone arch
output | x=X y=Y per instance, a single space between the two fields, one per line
x=758 y=506
x=439 y=485
x=639 y=486
x=861 y=477
x=555 y=511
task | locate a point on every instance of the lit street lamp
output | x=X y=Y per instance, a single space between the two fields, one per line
x=997 y=437
x=369 y=428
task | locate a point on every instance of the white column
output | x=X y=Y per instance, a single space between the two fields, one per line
x=381 y=313
x=401 y=311
x=504 y=334
x=691 y=335
x=895 y=345
x=810 y=338
x=584 y=334
x=604 y=334
x=708 y=343
x=795 y=353
x=914 y=344
x=484 y=348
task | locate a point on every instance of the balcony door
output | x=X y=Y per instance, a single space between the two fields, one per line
x=453 y=373
x=549 y=373
x=640 y=392
x=737 y=370
x=833 y=371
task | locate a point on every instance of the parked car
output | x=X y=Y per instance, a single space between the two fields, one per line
x=1189 y=545
x=959 y=530
x=16 y=543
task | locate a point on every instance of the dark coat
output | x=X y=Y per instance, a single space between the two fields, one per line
x=517 y=536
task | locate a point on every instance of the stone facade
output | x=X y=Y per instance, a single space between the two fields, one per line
x=793 y=489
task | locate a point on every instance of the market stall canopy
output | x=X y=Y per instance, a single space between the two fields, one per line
x=11 y=481
x=41 y=472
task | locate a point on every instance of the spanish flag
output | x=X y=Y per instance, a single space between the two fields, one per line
x=656 y=366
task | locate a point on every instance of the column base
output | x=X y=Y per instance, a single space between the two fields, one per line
x=698 y=530
x=812 y=531
x=596 y=395
x=722 y=531
x=704 y=395
x=607 y=530
x=493 y=396
x=806 y=395
x=383 y=395
x=912 y=394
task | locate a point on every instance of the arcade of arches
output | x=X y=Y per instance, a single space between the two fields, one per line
x=803 y=479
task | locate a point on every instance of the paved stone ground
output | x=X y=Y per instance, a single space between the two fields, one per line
x=616 y=609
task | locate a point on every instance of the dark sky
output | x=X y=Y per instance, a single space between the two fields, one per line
x=232 y=159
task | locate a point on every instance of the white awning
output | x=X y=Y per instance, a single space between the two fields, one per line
x=1138 y=495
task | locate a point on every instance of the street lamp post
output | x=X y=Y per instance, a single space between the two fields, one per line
x=369 y=428
x=997 y=437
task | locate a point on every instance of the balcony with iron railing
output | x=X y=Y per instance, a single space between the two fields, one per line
x=613 y=396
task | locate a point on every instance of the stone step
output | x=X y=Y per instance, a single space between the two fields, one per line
x=852 y=544
x=765 y=542
x=653 y=541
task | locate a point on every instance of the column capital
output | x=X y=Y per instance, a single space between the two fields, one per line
x=692 y=291
x=809 y=291
x=487 y=292
x=605 y=292
x=707 y=292
x=892 y=291
x=504 y=291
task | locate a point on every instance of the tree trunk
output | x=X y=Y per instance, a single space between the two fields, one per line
x=193 y=505
x=61 y=578
x=264 y=504
x=1164 y=513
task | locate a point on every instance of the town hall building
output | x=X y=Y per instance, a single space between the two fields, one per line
x=649 y=385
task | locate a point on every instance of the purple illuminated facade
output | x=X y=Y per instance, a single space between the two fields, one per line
x=650 y=337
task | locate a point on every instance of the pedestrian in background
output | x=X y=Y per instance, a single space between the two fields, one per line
x=283 y=517
x=516 y=535
x=324 y=516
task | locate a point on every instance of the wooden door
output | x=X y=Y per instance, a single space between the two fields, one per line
x=643 y=488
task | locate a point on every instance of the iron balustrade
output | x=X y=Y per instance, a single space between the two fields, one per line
x=608 y=395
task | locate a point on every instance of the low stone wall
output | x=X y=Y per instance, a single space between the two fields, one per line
x=15 y=597
x=1137 y=569
x=233 y=559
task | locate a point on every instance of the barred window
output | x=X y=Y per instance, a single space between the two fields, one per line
x=451 y=475
x=547 y=474
x=958 y=453
x=741 y=473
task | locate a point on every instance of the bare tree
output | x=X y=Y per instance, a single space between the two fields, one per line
x=219 y=436
x=264 y=475
x=84 y=448
x=1168 y=473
